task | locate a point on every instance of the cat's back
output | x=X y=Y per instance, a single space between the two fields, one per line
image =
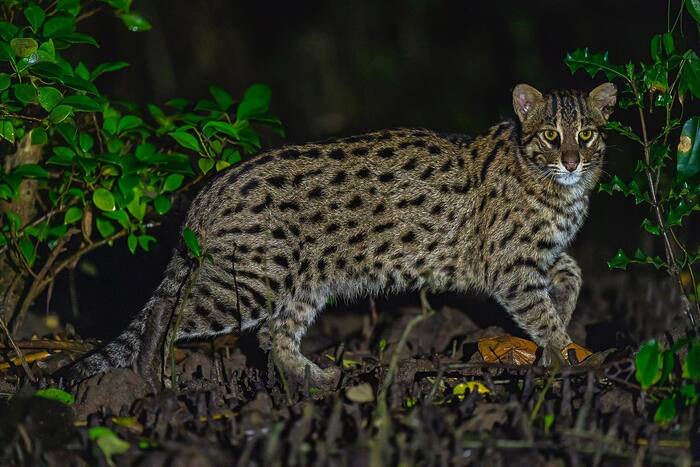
x=379 y=175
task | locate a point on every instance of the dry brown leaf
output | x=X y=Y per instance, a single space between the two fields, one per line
x=581 y=353
x=508 y=350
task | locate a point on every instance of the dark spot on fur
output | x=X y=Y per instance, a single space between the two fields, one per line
x=339 y=177
x=408 y=237
x=354 y=203
x=337 y=154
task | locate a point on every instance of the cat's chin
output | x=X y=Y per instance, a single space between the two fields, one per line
x=568 y=179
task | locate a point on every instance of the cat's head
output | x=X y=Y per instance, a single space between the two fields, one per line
x=562 y=131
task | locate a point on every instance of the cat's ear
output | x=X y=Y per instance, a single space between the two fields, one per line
x=602 y=99
x=526 y=100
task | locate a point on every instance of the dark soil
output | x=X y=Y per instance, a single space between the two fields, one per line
x=230 y=406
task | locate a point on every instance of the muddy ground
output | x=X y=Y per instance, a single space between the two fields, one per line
x=231 y=407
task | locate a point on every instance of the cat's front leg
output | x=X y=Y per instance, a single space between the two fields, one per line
x=529 y=303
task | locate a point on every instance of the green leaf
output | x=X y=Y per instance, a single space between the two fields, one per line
x=82 y=102
x=655 y=47
x=690 y=76
x=47 y=52
x=256 y=102
x=6 y=53
x=128 y=122
x=71 y=6
x=677 y=212
x=691 y=365
x=24 y=46
x=650 y=227
x=109 y=443
x=35 y=16
x=39 y=136
x=192 y=242
x=119 y=4
x=132 y=243
x=205 y=165
x=49 y=97
x=173 y=182
x=8 y=130
x=78 y=38
x=31 y=171
x=106 y=68
x=63 y=156
x=648 y=364
x=223 y=127
x=223 y=99
x=690 y=394
x=619 y=261
x=8 y=30
x=72 y=215
x=688 y=162
x=669 y=363
x=669 y=45
x=86 y=141
x=134 y=22
x=56 y=394
x=186 y=140
x=105 y=227
x=80 y=84
x=26 y=247
x=103 y=199
x=693 y=7
x=25 y=93
x=5 y=81
x=120 y=216
x=593 y=63
x=59 y=26
x=162 y=204
x=60 y=113
x=145 y=241
x=666 y=411
x=624 y=130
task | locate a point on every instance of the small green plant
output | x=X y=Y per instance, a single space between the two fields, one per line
x=81 y=170
x=666 y=175
x=666 y=178
x=674 y=388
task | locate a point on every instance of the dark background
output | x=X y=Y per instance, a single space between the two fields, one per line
x=338 y=68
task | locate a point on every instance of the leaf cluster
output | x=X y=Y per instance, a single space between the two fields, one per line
x=666 y=175
x=109 y=168
x=668 y=377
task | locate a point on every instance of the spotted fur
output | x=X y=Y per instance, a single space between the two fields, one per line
x=383 y=212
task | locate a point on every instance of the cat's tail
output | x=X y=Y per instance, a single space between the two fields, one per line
x=140 y=342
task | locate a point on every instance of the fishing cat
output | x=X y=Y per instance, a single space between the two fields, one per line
x=384 y=212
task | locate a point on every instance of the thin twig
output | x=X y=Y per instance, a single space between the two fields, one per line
x=18 y=352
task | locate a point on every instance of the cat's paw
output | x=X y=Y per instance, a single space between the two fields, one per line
x=326 y=378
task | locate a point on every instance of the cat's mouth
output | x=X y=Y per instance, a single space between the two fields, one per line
x=564 y=176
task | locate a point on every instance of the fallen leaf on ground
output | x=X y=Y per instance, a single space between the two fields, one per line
x=360 y=393
x=509 y=350
x=470 y=386
x=580 y=353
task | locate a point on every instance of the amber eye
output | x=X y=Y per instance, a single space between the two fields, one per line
x=550 y=135
x=585 y=135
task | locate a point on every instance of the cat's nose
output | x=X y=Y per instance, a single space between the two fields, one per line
x=570 y=161
x=571 y=166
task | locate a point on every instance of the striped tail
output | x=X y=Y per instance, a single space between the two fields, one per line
x=138 y=346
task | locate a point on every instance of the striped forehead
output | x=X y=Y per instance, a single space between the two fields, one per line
x=567 y=108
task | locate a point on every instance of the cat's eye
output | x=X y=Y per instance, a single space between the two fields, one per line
x=585 y=135
x=550 y=135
